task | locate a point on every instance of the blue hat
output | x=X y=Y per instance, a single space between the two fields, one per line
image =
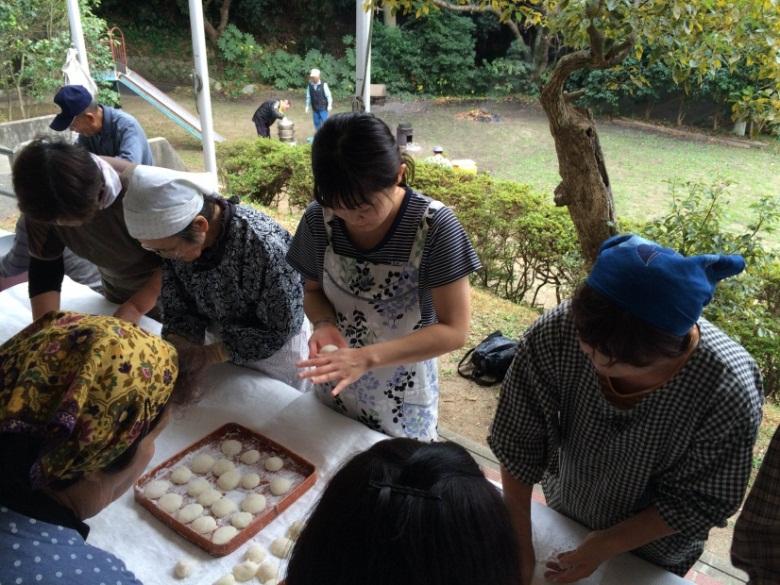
x=73 y=99
x=658 y=285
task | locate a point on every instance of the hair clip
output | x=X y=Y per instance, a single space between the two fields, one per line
x=403 y=490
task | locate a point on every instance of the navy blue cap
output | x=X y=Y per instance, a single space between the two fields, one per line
x=659 y=285
x=72 y=99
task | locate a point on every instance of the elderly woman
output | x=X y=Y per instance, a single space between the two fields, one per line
x=82 y=400
x=637 y=415
x=225 y=277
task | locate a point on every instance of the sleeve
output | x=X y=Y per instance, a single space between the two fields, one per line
x=278 y=115
x=45 y=276
x=307 y=251
x=328 y=95
x=43 y=242
x=706 y=487
x=278 y=304
x=448 y=254
x=17 y=259
x=756 y=545
x=525 y=433
x=132 y=141
x=180 y=312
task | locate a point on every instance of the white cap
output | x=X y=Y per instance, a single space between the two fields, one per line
x=314 y=73
x=161 y=202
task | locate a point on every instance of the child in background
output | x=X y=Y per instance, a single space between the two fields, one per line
x=407 y=512
x=386 y=280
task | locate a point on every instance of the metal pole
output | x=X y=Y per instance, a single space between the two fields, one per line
x=77 y=33
x=202 y=85
x=363 y=53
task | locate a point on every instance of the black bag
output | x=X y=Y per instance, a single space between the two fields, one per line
x=488 y=363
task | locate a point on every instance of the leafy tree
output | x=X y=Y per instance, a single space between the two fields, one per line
x=692 y=39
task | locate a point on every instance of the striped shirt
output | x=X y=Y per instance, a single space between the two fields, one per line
x=448 y=254
x=685 y=448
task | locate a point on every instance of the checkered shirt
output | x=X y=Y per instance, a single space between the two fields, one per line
x=756 y=546
x=685 y=448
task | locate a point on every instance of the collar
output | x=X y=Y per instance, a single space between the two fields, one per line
x=108 y=120
x=38 y=505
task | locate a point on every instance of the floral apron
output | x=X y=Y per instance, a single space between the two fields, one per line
x=375 y=303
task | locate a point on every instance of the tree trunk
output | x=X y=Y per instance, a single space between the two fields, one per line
x=681 y=111
x=389 y=16
x=584 y=188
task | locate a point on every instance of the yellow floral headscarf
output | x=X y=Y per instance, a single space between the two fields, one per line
x=87 y=385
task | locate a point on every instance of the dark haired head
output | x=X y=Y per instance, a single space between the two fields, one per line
x=620 y=335
x=189 y=234
x=55 y=180
x=407 y=513
x=354 y=157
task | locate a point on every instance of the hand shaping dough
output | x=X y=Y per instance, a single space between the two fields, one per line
x=155 y=489
x=208 y=497
x=204 y=525
x=241 y=519
x=197 y=486
x=228 y=579
x=229 y=480
x=250 y=457
x=329 y=348
x=245 y=571
x=202 y=463
x=224 y=535
x=222 y=466
x=170 y=502
x=274 y=464
x=181 y=475
x=280 y=485
x=295 y=529
x=268 y=570
x=231 y=447
x=250 y=481
x=189 y=512
x=255 y=553
x=223 y=507
x=182 y=570
x=253 y=503
x=281 y=547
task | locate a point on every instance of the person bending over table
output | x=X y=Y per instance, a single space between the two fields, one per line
x=72 y=198
x=224 y=271
x=407 y=512
x=82 y=401
x=637 y=415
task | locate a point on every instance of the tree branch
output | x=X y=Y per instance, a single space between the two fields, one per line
x=572 y=96
x=472 y=8
x=596 y=43
x=224 y=13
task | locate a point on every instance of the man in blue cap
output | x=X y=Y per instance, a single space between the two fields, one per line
x=103 y=131
x=637 y=415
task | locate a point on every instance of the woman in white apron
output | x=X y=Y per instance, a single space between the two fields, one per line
x=386 y=281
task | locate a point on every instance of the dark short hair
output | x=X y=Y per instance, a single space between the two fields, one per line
x=55 y=180
x=207 y=211
x=353 y=157
x=620 y=335
x=412 y=513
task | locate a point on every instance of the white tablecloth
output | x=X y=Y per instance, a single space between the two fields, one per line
x=295 y=420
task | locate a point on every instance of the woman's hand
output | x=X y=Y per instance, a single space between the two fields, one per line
x=573 y=565
x=343 y=366
x=325 y=333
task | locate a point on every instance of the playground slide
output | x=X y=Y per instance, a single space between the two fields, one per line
x=170 y=108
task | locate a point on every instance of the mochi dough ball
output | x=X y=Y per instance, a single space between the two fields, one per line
x=245 y=571
x=181 y=475
x=224 y=535
x=295 y=529
x=231 y=447
x=274 y=464
x=204 y=525
x=281 y=547
x=170 y=502
x=255 y=553
x=253 y=503
x=189 y=512
x=280 y=485
x=222 y=466
x=268 y=570
x=202 y=463
x=183 y=569
x=155 y=489
x=241 y=519
x=209 y=497
x=329 y=348
x=229 y=480
x=223 y=507
x=228 y=579
x=250 y=457
x=197 y=486
x=250 y=481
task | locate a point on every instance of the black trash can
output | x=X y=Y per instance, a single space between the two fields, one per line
x=404 y=134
